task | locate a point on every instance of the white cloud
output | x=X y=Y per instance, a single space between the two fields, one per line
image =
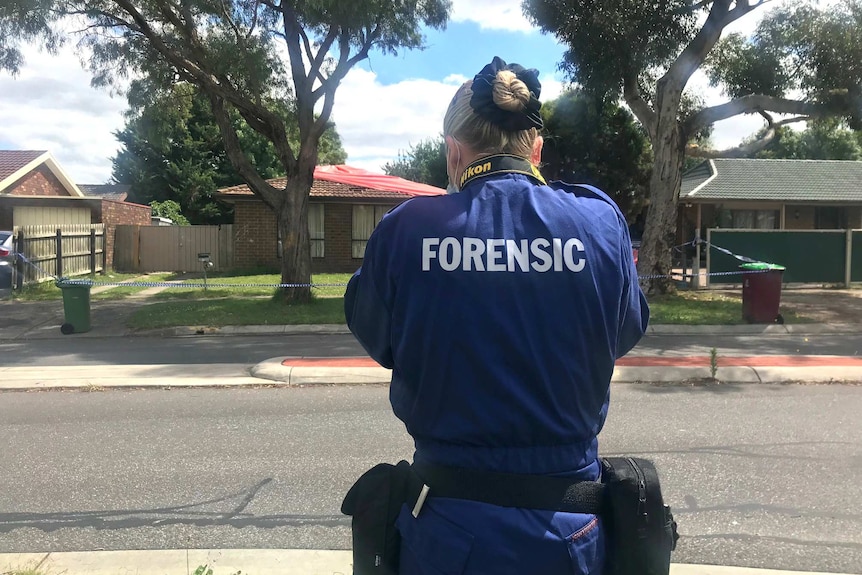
x=551 y=87
x=377 y=121
x=51 y=106
x=491 y=14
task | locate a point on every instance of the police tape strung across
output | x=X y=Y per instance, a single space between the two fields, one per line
x=502 y=255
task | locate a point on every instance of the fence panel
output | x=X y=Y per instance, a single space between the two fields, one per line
x=147 y=249
x=856 y=257
x=126 y=249
x=66 y=250
x=810 y=256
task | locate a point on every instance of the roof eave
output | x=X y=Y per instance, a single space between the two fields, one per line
x=52 y=165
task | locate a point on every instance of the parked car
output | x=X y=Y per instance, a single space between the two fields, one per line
x=6 y=256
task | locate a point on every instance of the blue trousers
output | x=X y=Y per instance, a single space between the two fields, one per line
x=455 y=537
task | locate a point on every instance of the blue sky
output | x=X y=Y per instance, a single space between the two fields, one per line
x=384 y=105
x=464 y=48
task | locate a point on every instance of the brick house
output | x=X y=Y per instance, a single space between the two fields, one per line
x=345 y=205
x=34 y=190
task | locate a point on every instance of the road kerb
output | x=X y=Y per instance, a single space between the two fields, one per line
x=256 y=561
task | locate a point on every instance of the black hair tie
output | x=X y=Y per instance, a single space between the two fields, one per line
x=483 y=104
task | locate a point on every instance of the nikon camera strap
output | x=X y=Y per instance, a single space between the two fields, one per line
x=500 y=164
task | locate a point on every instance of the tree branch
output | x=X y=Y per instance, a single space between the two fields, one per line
x=302 y=82
x=345 y=63
x=751 y=104
x=318 y=59
x=750 y=148
x=270 y=195
x=257 y=116
x=226 y=13
x=693 y=56
x=645 y=114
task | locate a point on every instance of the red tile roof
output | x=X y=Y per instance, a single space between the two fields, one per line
x=13 y=160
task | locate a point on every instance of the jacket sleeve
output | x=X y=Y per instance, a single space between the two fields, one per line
x=366 y=311
x=634 y=310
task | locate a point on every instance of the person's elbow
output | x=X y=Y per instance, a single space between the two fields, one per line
x=634 y=325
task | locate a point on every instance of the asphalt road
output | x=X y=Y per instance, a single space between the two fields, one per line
x=758 y=475
x=253 y=349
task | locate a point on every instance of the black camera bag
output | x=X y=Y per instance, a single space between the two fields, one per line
x=640 y=528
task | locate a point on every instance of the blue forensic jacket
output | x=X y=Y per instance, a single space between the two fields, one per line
x=501 y=311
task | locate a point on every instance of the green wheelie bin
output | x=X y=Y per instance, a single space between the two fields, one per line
x=76 y=305
x=761 y=292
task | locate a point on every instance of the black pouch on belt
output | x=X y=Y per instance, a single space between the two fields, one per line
x=639 y=526
x=374 y=502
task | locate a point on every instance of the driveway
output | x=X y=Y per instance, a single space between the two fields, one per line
x=42 y=319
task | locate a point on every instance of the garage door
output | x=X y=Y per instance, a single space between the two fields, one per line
x=38 y=216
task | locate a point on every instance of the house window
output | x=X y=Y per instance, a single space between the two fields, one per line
x=315 y=229
x=365 y=219
x=755 y=219
x=829 y=218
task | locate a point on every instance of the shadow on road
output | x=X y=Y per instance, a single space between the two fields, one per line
x=190 y=514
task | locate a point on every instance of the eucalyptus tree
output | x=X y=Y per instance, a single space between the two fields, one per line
x=171 y=149
x=246 y=56
x=802 y=62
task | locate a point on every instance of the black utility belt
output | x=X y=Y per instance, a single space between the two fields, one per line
x=639 y=527
x=509 y=489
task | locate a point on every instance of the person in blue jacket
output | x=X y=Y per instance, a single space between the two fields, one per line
x=501 y=310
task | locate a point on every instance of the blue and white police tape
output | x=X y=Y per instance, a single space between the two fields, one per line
x=209 y=285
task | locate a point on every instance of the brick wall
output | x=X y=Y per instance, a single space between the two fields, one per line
x=337 y=235
x=121 y=214
x=799 y=217
x=255 y=236
x=39 y=182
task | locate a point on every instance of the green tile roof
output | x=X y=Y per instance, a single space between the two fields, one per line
x=774 y=180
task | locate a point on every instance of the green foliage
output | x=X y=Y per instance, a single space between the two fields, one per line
x=647 y=51
x=713 y=362
x=425 y=162
x=241 y=55
x=172 y=149
x=798 y=47
x=821 y=140
x=171 y=210
x=744 y=66
x=610 y=39
x=595 y=141
x=23 y=21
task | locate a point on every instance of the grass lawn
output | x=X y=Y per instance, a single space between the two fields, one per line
x=222 y=285
x=238 y=311
x=46 y=291
x=686 y=308
x=703 y=308
x=248 y=299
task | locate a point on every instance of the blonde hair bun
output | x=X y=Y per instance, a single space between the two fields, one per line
x=510 y=93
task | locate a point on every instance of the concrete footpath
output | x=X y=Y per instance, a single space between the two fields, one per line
x=304 y=371
x=249 y=561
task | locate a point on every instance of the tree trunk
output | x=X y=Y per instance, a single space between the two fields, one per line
x=295 y=239
x=655 y=257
